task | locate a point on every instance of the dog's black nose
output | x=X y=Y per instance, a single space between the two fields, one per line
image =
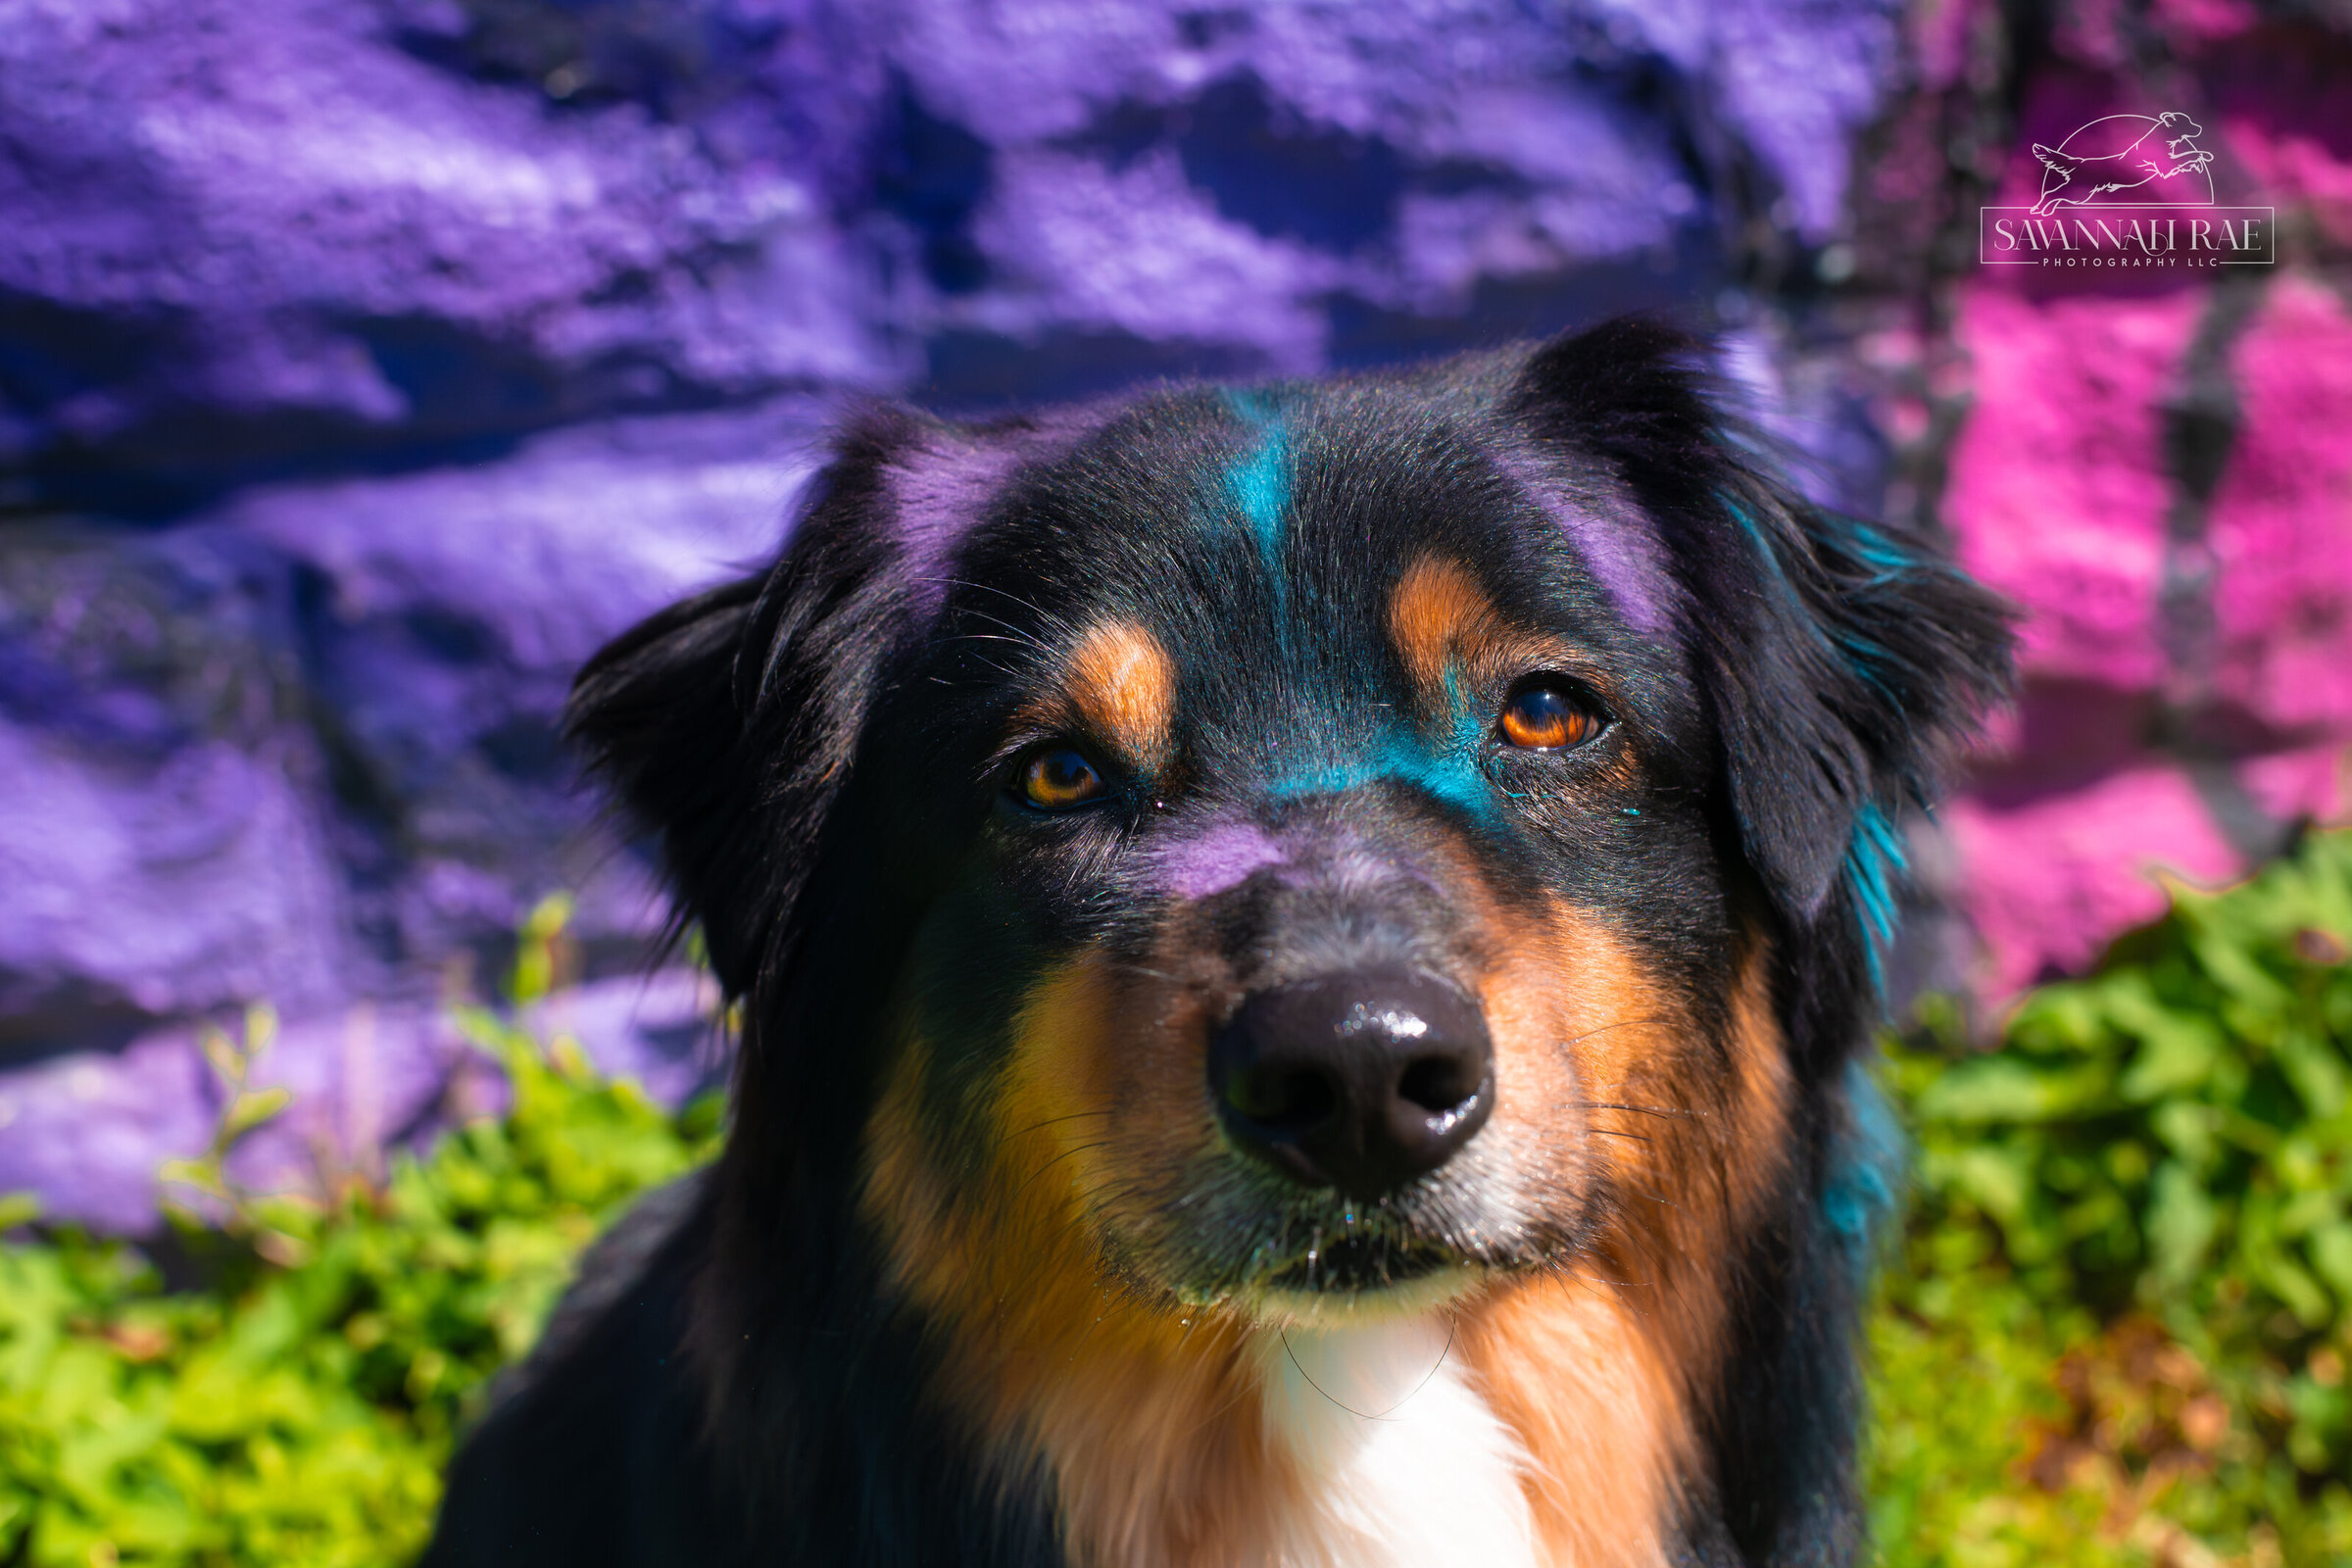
x=1359 y=1081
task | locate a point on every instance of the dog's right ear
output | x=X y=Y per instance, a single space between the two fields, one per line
x=726 y=724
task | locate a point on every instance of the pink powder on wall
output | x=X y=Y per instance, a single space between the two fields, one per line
x=2058 y=487
x=2049 y=882
x=2280 y=525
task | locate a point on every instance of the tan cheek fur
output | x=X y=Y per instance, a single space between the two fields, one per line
x=1148 y=1413
x=1596 y=1365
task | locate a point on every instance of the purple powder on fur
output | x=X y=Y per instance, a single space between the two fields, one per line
x=1224 y=857
x=1615 y=545
x=937 y=494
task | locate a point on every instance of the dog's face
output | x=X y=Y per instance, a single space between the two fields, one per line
x=1302 y=857
x=1296 y=851
x=1326 y=861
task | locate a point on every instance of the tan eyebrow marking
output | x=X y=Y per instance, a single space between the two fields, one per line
x=1123 y=683
x=1446 y=629
x=1438 y=615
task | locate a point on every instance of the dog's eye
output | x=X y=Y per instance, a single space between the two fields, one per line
x=1057 y=780
x=1547 y=717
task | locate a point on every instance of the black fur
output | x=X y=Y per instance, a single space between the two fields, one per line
x=811 y=747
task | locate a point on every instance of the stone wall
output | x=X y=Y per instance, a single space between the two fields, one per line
x=365 y=363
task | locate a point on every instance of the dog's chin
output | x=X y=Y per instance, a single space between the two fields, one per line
x=1339 y=1301
x=1278 y=1255
x=1360 y=1263
x=1356 y=1279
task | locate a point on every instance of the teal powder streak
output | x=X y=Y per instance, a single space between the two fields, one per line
x=1739 y=512
x=1873 y=860
x=1866 y=1170
x=1261 y=482
x=1447 y=769
x=1399 y=759
x=1890 y=562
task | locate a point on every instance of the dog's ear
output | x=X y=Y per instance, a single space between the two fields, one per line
x=1843 y=662
x=725 y=725
x=656 y=713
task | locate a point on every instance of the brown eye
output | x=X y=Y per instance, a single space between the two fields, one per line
x=1058 y=779
x=1545 y=717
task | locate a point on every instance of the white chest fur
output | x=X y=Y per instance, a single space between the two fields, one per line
x=1407 y=1464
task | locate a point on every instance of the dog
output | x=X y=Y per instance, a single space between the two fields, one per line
x=2071 y=181
x=1305 y=955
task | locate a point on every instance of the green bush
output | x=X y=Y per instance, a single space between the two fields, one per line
x=2132 y=1241
x=2114 y=1331
x=297 y=1408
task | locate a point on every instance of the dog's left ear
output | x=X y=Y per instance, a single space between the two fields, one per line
x=725 y=725
x=1844 y=661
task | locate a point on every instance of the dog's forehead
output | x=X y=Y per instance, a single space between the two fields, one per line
x=1318 y=585
x=1298 y=513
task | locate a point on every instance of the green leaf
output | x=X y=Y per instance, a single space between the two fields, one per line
x=2295 y=1287
x=2009 y=1088
x=252 y=1108
x=2178 y=1051
x=2317 y=1072
x=2330 y=1248
x=2182 y=1220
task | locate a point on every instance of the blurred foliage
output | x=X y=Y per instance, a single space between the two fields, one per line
x=2115 y=1332
x=296 y=1403
x=2119 y=1325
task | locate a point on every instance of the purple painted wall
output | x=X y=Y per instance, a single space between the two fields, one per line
x=365 y=363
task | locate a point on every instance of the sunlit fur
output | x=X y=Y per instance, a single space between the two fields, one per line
x=1439 y=618
x=981 y=1277
x=1122 y=685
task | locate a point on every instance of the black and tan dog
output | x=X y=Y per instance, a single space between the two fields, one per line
x=1303 y=953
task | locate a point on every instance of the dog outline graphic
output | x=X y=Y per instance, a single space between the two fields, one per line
x=2074 y=180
